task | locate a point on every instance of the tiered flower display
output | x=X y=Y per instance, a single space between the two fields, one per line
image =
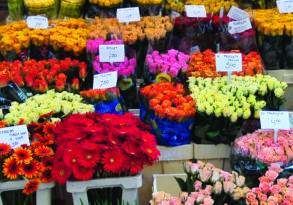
x=203 y=64
x=223 y=106
x=170 y=111
x=40 y=76
x=96 y=146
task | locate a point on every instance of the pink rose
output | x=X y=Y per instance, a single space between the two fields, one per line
x=217 y=189
x=272 y=175
x=275 y=189
x=208 y=201
x=197 y=185
x=264 y=187
x=282 y=182
x=229 y=187
x=205 y=174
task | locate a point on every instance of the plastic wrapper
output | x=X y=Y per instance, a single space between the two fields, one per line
x=69 y=8
x=15 y=9
x=46 y=8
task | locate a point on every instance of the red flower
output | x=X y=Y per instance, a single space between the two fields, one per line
x=46 y=176
x=4 y=149
x=43 y=151
x=22 y=155
x=82 y=173
x=30 y=170
x=60 y=172
x=113 y=161
x=71 y=156
x=82 y=71
x=151 y=151
x=75 y=84
x=31 y=187
x=10 y=168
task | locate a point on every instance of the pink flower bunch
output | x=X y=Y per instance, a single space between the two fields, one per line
x=260 y=146
x=171 y=62
x=92 y=45
x=272 y=191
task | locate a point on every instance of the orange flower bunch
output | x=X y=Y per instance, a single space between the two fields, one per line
x=98 y=95
x=69 y=23
x=31 y=162
x=169 y=101
x=203 y=64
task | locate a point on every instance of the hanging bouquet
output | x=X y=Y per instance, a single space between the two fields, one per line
x=272 y=189
x=104 y=100
x=253 y=153
x=30 y=162
x=206 y=184
x=55 y=105
x=223 y=106
x=170 y=112
x=103 y=146
x=167 y=66
x=203 y=64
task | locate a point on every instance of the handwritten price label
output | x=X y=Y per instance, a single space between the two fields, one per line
x=277 y=120
x=237 y=14
x=112 y=53
x=14 y=136
x=228 y=62
x=195 y=11
x=239 y=26
x=37 y=22
x=126 y=15
x=105 y=80
x=285 y=6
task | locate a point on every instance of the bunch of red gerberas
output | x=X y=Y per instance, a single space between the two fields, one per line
x=33 y=162
x=40 y=76
x=102 y=145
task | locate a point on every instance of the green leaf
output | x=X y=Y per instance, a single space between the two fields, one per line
x=181 y=184
x=213 y=134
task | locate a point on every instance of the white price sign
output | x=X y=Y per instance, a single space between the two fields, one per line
x=37 y=22
x=112 y=53
x=228 y=62
x=277 y=120
x=239 y=26
x=15 y=136
x=237 y=14
x=195 y=11
x=126 y=15
x=285 y=6
x=105 y=80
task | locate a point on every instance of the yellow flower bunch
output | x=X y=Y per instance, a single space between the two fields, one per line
x=75 y=23
x=106 y=3
x=213 y=6
x=176 y=5
x=271 y=22
x=38 y=3
x=148 y=2
x=40 y=37
x=100 y=27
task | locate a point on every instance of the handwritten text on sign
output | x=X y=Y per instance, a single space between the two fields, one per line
x=105 y=80
x=274 y=120
x=126 y=15
x=14 y=136
x=195 y=11
x=112 y=53
x=237 y=14
x=228 y=62
x=285 y=6
x=37 y=22
x=239 y=26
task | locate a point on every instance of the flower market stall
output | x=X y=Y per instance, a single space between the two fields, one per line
x=137 y=102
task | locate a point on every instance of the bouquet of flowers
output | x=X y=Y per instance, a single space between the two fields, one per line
x=253 y=153
x=170 y=112
x=102 y=145
x=167 y=66
x=40 y=76
x=36 y=7
x=213 y=6
x=203 y=64
x=272 y=189
x=15 y=9
x=103 y=8
x=175 y=5
x=149 y=7
x=104 y=100
x=53 y=104
x=206 y=184
x=223 y=106
x=71 y=8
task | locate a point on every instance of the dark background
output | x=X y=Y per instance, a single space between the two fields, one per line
x=3 y=10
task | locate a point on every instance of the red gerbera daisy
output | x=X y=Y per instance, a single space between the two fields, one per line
x=152 y=152
x=113 y=161
x=70 y=157
x=22 y=155
x=135 y=166
x=43 y=151
x=4 y=149
x=46 y=176
x=10 y=168
x=47 y=162
x=31 y=170
x=60 y=172
x=31 y=187
x=82 y=173
x=88 y=158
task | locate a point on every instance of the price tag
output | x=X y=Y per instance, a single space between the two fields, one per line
x=228 y=62
x=239 y=26
x=126 y=15
x=237 y=14
x=285 y=6
x=105 y=80
x=276 y=120
x=14 y=136
x=175 y=14
x=112 y=53
x=195 y=11
x=37 y=22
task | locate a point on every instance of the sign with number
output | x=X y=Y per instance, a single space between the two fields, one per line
x=112 y=53
x=105 y=80
x=15 y=136
x=126 y=15
x=195 y=11
x=239 y=26
x=285 y=6
x=228 y=62
x=37 y=22
x=237 y=14
x=274 y=120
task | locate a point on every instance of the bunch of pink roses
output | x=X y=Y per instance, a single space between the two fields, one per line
x=260 y=146
x=272 y=191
